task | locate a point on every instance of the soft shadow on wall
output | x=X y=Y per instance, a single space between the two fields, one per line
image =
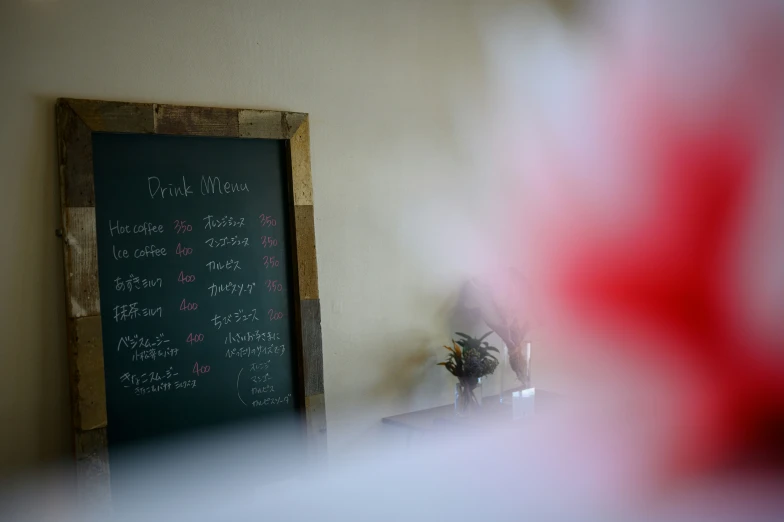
x=410 y=378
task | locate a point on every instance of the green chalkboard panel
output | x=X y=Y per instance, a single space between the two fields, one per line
x=196 y=283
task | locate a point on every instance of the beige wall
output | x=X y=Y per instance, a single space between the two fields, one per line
x=381 y=81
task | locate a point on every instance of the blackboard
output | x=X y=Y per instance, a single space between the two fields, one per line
x=191 y=283
x=195 y=282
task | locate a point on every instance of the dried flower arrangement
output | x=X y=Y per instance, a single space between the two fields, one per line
x=504 y=318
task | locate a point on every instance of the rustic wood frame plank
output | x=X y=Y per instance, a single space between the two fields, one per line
x=76 y=121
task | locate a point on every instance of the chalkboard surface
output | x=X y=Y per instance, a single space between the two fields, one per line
x=196 y=283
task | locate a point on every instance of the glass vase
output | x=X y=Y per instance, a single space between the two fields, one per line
x=515 y=371
x=468 y=396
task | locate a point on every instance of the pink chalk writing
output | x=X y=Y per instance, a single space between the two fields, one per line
x=200 y=370
x=274 y=286
x=268 y=242
x=181 y=227
x=194 y=338
x=185 y=306
x=267 y=221
x=183 y=278
x=183 y=252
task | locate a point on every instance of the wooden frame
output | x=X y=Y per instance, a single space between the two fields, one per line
x=76 y=121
